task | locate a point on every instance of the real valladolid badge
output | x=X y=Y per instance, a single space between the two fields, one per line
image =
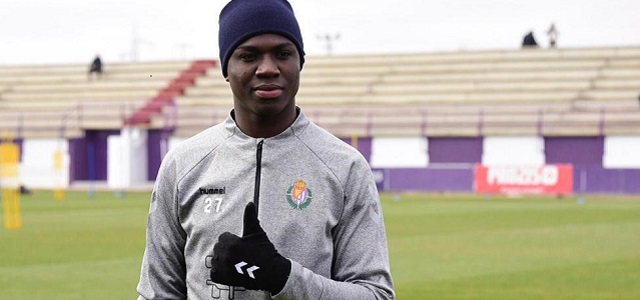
x=298 y=195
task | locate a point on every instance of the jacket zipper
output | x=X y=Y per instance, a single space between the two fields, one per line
x=256 y=191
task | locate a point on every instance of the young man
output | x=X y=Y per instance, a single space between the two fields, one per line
x=266 y=204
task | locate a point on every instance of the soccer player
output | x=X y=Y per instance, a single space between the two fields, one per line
x=266 y=204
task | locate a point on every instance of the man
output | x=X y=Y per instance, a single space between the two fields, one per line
x=95 y=67
x=529 y=41
x=552 y=32
x=266 y=204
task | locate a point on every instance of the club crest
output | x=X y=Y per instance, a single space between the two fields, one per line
x=298 y=195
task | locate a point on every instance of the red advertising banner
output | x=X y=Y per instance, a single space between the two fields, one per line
x=546 y=179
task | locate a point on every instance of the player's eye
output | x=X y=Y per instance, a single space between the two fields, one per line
x=284 y=54
x=247 y=56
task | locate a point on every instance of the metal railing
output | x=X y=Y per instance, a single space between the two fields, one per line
x=69 y=121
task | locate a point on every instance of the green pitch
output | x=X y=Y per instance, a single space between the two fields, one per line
x=442 y=247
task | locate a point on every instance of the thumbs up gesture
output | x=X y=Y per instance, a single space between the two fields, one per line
x=250 y=261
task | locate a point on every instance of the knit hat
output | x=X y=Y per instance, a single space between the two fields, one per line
x=243 y=19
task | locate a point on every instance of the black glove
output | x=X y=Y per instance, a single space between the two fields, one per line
x=250 y=261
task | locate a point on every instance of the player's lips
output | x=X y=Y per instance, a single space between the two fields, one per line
x=268 y=90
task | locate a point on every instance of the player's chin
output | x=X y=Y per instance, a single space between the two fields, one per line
x=274 y=108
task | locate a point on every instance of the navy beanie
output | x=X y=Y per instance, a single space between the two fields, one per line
x=243 y=19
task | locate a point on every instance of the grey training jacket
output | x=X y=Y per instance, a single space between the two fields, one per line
x=317 y=202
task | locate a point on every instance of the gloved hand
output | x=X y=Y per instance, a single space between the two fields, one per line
x=250 y=261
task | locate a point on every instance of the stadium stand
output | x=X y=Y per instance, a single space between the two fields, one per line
x=578 y=91
x=581 y=91
x=582 y=98
x=53 y=101
x=165 y=97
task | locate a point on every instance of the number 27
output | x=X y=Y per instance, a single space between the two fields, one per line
x=208 y=202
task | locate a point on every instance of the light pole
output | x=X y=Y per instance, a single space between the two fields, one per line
x=136 y=42
x=329 y=39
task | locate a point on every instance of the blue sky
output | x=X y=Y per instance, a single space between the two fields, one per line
x=73 y=31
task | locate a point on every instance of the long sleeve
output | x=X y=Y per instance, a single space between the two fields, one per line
x=163 y=272
x=361 y=264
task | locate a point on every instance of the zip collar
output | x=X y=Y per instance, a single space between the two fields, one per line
x=298 y=125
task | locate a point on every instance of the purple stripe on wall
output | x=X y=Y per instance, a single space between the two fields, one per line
x=98 y=139
x=155 y=138
x=455 y=150
x=429 y=180
x=631 y=181
x=587 y=180
x=89 y=155
x=597 y=180
x=78 y=159
x=574 y=150
x=19 y=142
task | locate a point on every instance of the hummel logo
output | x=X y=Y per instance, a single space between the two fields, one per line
x=249 y=270
x=216 y=191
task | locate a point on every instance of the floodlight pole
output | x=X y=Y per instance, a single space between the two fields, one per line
x=329 y=39
x=136 y=42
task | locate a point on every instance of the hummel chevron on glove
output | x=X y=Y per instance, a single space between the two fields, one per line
x=250 y=261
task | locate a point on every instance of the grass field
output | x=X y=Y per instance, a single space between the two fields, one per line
x=442 y=247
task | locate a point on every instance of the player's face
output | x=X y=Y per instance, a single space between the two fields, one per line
x=264 y=74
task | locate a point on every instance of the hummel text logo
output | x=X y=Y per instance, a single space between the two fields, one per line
x=249 y=270
x=216 y=191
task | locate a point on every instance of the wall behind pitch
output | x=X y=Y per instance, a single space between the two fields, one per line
x=89 y=155
x=399 y=152
x=574 y=150
x=621 y=152
x=37 y=168
x=516 y=150
x=157 y=147
x=455 y=150
x=128 y=158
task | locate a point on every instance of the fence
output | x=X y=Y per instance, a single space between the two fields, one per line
x=460 y=178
